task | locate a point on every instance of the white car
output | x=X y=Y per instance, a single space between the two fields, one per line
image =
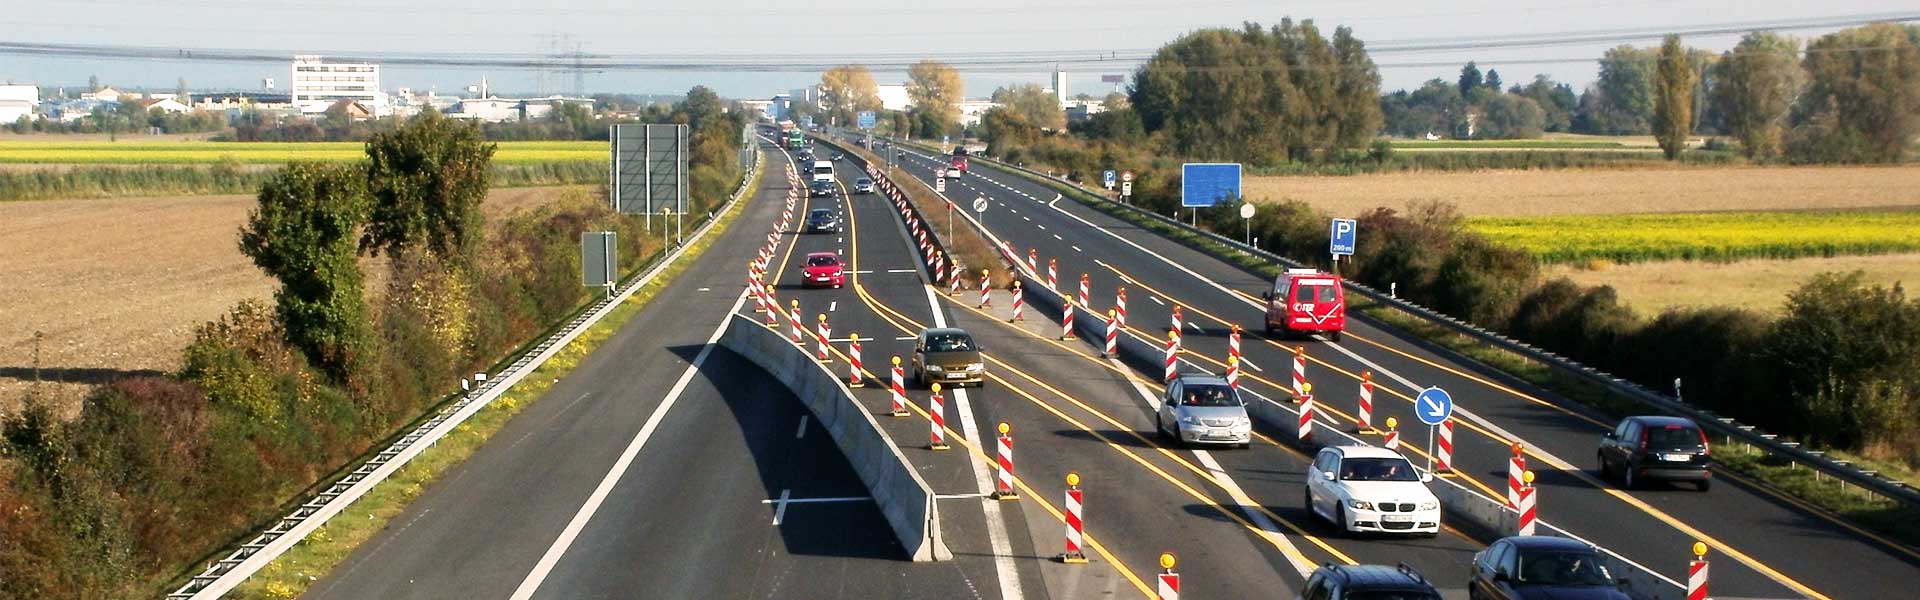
x=1363 y=489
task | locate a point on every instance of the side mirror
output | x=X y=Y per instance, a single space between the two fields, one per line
x=1327 y=475
x=1501 y=576
x=1609 y=435
x=1426 y=478
x=1267 y=295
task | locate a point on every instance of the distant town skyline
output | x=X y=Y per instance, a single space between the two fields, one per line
x=826 y=30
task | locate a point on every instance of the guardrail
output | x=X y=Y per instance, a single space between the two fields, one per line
x=1726 y=427
x=227 y=573
x=905 y=499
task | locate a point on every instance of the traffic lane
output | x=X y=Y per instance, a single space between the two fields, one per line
x=1135 y=513
x=478 y=529
x=886 y=269
x=1387 y=408
x=741 y=440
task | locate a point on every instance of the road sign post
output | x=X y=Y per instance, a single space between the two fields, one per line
x=1434 y=407
x=1126 y=186
x=940 y=183
x=598 y=260
x=1246 y=214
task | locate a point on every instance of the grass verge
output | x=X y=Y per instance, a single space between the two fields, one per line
x=289 y=575
x=1861 y=508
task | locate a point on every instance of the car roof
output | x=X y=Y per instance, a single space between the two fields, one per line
x=946 y=331
x=1547 y=542
x=866 y=179
x=1366 y=452
x=1202 y=380
x=1377 y=577
x=821 y=211
x=1663 y=421
x=820 y=254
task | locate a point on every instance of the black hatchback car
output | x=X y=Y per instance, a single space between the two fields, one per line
x=823 y=220
x=1367 y=582
x=820 y=187
x=1538 y=566
x=1656 y=448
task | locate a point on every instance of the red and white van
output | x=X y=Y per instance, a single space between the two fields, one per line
x=1305 y=302
x=956 y=165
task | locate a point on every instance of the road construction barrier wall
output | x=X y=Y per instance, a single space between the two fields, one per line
x=904 y=498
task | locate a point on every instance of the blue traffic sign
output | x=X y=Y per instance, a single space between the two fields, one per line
x=1108 y=177
x=867 y=119
x=1433 y=406
x=1343 y=235
x=1207 y=184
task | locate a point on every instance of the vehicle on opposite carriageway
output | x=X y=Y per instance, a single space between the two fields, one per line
x=1305 y=302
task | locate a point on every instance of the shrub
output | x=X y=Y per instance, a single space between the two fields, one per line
x=1850 y=355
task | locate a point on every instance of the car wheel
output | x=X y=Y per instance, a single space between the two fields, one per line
x=1306 y=500
x=1627 y=480
x=922 y=377
x=1335 y=337
x=1342 y=512
x=1606 y=470
x=1704 y=485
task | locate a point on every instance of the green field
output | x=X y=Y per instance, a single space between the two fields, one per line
x=184 y=153
x=1536 y=144
x=1705 y=236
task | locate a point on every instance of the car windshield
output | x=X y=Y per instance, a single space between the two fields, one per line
x=1389 y=595
x=1377 y=469
x=864 y=181
x=949 y=342
x=1562 y=568
x=1673 y=437
x=822 y=261
x=1210 y=395
x=820 y=214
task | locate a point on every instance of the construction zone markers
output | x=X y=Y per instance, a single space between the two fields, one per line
x=1529 y=504
x=854 y=379
x=1393 y=435
x=1169 y=588
x=1003 y=485
x=1365 y=423
x=1516 y=467
x=1066 y=319
x=1443 y=450
x=1076 y=523
x=1299 y=370
x=1306 y=411
x=1018 y=303
x=899 y=389
x=937 y=409
x=1697 y=573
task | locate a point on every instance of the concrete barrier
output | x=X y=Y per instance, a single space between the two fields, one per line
x=905 y=499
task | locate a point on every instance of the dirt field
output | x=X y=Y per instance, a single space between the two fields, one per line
x=116 y=286
x=1559 y=192
x=1757 y=284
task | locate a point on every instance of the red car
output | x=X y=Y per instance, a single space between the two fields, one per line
x=824 y=269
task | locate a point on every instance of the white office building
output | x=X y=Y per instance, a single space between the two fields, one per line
x=317 y=85
x=1060 y=92
x=18 y=100
x=894 y=97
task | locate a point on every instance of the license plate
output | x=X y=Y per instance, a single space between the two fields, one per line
x=1679 y=457
x=1397 y=518
x=956 y=376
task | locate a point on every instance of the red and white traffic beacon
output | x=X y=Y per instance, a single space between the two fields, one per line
x=1305 y=302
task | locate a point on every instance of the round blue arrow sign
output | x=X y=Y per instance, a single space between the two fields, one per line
x=1433 y=406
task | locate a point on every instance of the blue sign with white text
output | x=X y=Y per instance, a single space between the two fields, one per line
x=867 y=119
x=1108 y=177
x=1342 y=237
x=1433 y=406
x=1207 y=184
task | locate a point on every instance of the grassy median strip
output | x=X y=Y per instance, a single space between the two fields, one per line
x=1857 y=506
x=305 y=563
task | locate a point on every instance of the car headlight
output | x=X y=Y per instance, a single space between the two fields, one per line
x=1359 y=505
x=1246 y=422
x=977 y=366
x=1190 y=420
x=1429 y=505
x=935 y=368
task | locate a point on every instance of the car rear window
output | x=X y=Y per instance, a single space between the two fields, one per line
x=1307 y=292
x=1377 y=469
x=822 y=261
x=1673 y=437
x=949 y=342
x=1390 y=595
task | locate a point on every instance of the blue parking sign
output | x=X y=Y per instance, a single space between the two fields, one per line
x=1108 y=177
x=1342 y=237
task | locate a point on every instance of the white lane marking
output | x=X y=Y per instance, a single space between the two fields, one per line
x=780 y=510
x=1267 y=528
x=705 y=289
x=905 y=338
x=579 y=522
x=1156 y=301
x=1249 y=363
x=1077 y=249
x=1029 y=219
x=833 y=306
x=1197 y=328
x=801 y=433
x=1003 y=565
x=1057 y=237
x=839 y=240
x=817 y=500
x=840 y=251
x=863 y=272
x=1056 y=198
x=1015 y=210
x=957 y=496
x=1042 y=227
x=903 y=270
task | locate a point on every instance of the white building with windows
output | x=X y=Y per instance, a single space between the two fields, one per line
x=18 y=100
x=317 y=85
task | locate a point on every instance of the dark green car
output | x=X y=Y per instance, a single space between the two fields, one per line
x=947 y=356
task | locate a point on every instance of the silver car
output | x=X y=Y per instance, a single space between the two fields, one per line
x=1203 y=409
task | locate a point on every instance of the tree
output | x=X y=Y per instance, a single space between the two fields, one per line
x=427 y=180
x=1122 y=125
x=1673 y=90
x=302 y=233
x=1035 y=105
x=1356 y=84
x=848 y=90
x=1470 y=79
x=1626 y=86
x=1007 y=126
x=1556 y=100
x=1116 y=101
x=180 y=91
x=1862 y=102
x=1758 y=80
x=1493 y=79
x=93 y=83
x=1511 y=116
x=935 y=88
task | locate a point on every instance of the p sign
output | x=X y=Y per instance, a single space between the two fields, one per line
x=1344 y=232
x=1205 y=184
x=1108 y=177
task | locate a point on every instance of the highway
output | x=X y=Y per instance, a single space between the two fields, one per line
x=639 y=475
x=1764 y=545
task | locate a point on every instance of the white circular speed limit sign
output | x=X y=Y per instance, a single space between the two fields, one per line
x=1246 y=210
x=980 y=204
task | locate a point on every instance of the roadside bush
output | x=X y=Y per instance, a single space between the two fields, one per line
x=1850 y=355
x=1713 y=351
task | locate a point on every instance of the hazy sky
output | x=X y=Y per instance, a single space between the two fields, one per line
x=842 y=29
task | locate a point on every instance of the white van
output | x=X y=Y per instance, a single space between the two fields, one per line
x=823 y=170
